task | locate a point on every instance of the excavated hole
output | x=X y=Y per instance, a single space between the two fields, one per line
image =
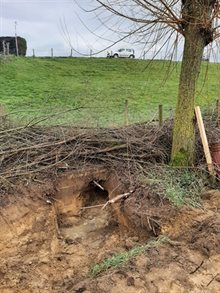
x=90 y=219
x=95 y=194
x=83 y=217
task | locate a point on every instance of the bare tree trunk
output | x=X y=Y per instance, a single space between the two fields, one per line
x=183 y=133
x=196 y=38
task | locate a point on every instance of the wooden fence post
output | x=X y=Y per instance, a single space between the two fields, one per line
x=2 y=114
x=204 y=142
x=4 y=48
x=218 y=113
x=160 y=115
x=52 y=52
x=8 y=48
x=126 y=112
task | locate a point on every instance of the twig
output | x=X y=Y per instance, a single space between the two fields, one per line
x=38 y=146
x=151 y=226
x=117 y=198
x=54 y=115
x=97 y=184
x=197 y=268
x=93 y=207
x=212 y=280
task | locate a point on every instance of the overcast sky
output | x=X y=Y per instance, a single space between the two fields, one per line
x=60 y=24
x=47 y=24
x=42 y=23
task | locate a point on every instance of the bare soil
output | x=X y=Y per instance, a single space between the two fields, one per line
x=50 y=238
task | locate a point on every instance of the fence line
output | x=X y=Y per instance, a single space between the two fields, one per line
x=52 y=53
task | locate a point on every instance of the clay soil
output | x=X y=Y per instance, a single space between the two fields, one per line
x=51 y=237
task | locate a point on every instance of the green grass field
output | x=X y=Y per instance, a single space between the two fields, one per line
x=36 y=87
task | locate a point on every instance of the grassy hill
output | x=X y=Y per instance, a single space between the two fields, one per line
x=97 y=88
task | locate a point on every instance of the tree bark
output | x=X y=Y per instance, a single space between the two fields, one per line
x=196 y=38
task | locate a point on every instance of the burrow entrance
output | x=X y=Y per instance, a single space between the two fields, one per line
x=82 y=205
x=83 y=194
x=89 y=216
x=88 y=226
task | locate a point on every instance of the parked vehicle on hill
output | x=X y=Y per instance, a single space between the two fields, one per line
x=121 y=53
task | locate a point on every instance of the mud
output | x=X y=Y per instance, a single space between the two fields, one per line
x=51 y=234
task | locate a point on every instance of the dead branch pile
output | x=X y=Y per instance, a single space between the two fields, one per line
x=27 y=151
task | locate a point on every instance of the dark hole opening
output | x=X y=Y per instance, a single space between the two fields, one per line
x=96 y=194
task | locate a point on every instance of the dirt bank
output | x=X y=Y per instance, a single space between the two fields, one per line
x=51 y=235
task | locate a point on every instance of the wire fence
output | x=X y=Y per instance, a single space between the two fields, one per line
x=98 y=117
x=53 y=52
x=86 y=116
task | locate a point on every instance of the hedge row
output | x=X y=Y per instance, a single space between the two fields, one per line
x=22 y=45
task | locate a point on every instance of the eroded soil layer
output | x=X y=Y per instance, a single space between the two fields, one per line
x=51 y=235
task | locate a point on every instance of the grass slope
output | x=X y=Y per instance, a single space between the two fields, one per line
x=33 y=87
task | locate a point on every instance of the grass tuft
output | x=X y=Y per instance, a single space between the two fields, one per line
x=122 y=258
x=180 y=186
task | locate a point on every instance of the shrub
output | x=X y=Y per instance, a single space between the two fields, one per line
x=22 y=45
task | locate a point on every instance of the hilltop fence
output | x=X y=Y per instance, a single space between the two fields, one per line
x=53 y=52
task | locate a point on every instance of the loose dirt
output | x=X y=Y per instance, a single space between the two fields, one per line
x=51 y=235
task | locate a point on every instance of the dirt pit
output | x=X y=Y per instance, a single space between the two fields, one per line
x=51 y=235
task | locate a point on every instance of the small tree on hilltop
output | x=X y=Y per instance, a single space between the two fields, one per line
x=197 y=22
